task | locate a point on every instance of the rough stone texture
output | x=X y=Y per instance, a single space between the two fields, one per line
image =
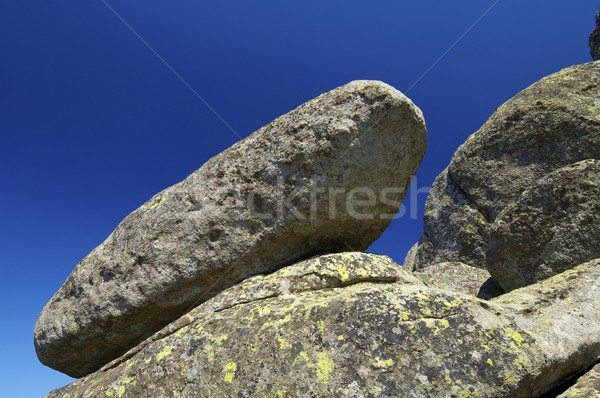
x=587 y=386
x=551 y=124
x=595 y=39
x=200 y=236
x=459 y=277
x=563 y=315
x=454 y=230
x=553 y=226
x=358 y=331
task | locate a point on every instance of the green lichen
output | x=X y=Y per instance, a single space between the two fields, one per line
x=165 y=351
x=154 y=203
x=229 y=370
x=283 y=343
x=384 y=363
x=513 y=334
x=344 y=274
x=325 y=367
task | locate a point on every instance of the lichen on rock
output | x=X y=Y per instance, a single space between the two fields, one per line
x=264 y=203
x=371 y=338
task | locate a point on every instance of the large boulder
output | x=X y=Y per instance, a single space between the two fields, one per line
x=595 y=39
x=551 y=124
x=300 y=186
x=553 y=226
x=357 y=325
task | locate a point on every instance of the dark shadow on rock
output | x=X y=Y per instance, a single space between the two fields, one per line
x=489 y=290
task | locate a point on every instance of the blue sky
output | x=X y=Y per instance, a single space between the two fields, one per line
x=93 y=123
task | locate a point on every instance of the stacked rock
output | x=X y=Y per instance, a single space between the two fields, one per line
x=238 y=282
x=552 y=124
x=301 y=186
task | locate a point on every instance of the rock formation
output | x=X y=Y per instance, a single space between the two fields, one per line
x=197 y=294
x=553 y=226
x=354 y=324
x=260 y=205
x=551 y=124
x=595 y=39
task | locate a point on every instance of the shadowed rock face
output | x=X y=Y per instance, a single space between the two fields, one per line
x=587 y=386
x=357 y=325
x=551 y=227
x=551 y=124
x=256 y=207
x=595 y=39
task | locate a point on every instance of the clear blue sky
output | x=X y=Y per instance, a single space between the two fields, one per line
x=93 y=123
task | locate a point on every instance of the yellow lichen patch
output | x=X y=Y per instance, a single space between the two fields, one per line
x=340 y=337
x=121 y=391
x=437 y=325
x=490 y=362
x=209 y=349
x=283 y=343
x=383 y=363
x=221 y=339
x=285 y=319
x=280 y=394
x=513 y=334
x=262 y=311
x=521 y=362
x=321 y=326
x=156 y=202
x=165 y=351
x=317 y=100
x=324 y=367
x=453 y=304
x=510 y=378
x=229 y=370
x=403 y=315
x=127 y=380
x=344 y=274
x=110 y=393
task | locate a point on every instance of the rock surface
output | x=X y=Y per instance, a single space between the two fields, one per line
x=553 y=226
x=459 y=277
x=358 y=326
x=587 y=386
x=595 y=39
x=252 y=209
x=551 y=124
